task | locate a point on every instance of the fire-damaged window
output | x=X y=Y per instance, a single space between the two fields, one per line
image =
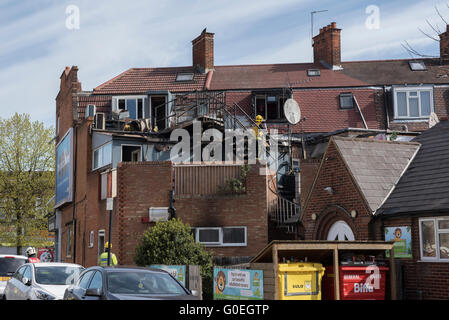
x=221 y=236
x=412 y=102
x=434 y=239
x=270 y=105
x=131 y=153
x=134 y=105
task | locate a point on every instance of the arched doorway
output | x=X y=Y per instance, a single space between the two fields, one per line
x=341 y=231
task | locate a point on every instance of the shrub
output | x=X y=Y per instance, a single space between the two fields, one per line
x=172 y=243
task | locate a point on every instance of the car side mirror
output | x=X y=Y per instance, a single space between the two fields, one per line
x=194 y=293
x=26 y=281
x=93 y=292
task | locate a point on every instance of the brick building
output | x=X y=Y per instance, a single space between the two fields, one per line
x=362 y=98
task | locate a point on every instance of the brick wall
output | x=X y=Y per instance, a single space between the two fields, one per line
x=308 y=171
x=249 y=209
x=421 y=280
x=66 y=100
x=327 y=46
x=328 y=208
x=140 y=186
x=203 y=51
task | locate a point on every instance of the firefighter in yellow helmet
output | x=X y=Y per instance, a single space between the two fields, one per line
x=103 y=261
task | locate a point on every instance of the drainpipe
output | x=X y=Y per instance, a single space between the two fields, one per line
x=74 y=191
x=172 y=208
x=387 y=119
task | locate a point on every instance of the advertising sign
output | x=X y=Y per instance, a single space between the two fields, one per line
x=238 y=284
x=402 y=241
x=45 y=254
x=64 y=169
x=178 y=272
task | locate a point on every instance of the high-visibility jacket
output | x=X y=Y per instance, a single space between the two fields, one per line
x=33 y=260
x=103 y=261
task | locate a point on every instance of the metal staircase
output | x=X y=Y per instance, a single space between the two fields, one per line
x=211 y=106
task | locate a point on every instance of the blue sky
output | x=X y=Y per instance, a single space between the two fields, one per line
x=115 y=35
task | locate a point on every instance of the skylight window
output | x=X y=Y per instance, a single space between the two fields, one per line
x=417 y=65
x=184 y=77
x=313 y=72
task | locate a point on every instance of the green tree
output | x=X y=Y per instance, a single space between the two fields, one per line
x=26 y=180
x=171 y=243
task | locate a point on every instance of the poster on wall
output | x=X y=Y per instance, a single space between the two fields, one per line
x=64 y=169
x=46 y=254
x=238 y=284
x=178 y=272
x=402 y=241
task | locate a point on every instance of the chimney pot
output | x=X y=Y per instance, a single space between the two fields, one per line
x=203 y=51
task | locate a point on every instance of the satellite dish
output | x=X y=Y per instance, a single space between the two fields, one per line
x=292 y=111
x=433 y=120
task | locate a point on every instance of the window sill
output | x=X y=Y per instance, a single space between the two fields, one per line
x=402 y=120
x=433 y=261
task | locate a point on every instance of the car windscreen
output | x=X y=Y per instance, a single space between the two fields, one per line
x=57 y=275
x=141 y=282
x=9 y=265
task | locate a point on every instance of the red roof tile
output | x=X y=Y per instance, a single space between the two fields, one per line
x=277 y=76
x=140 y=80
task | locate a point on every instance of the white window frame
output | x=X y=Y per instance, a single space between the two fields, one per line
x=133 y=97
x=437 y=232
x=220 y=237
x=102 y=164
x=131 y=145
x=407 y=90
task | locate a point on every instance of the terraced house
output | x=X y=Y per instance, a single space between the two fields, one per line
x=115 y=142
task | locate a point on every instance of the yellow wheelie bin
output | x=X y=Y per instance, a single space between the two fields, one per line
x=300 y=281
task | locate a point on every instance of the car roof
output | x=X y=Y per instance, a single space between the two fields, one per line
x=126 y=268
x=12 y=256
x=56 y=264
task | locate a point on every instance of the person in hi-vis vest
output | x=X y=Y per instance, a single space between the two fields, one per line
x=32 y=255
x=103 y=261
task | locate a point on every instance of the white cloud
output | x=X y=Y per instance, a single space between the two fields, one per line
x=116 y=35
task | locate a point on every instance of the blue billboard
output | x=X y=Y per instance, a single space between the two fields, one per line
x=64 y=169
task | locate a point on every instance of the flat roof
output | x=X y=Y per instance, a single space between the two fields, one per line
x=266 y=254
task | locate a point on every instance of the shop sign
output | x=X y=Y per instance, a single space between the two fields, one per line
x=238 y=284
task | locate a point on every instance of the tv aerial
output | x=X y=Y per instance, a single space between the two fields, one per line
x=291 y=111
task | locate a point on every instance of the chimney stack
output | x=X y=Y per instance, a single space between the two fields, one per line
x=327 y=47
x=444 y=44
x=203 y=51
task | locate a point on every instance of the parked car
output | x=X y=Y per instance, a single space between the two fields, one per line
x=8 y=266
x=127 y=283
x=42 y=281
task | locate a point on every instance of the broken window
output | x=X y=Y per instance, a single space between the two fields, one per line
x=134 y=105
x=131 y=153
x=270 y=105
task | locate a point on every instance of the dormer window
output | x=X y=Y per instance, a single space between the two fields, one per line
x=417 y=65
x=412 y=102
x=184 y=77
